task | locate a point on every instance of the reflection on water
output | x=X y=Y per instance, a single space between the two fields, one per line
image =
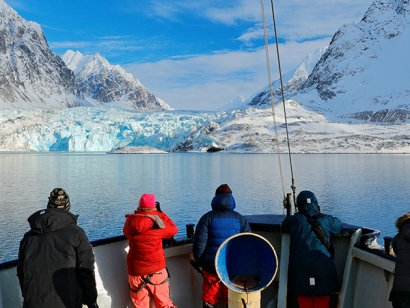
x=369 y=190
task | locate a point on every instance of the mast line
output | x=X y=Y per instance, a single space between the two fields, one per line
x=283 y=103
x=286 y=200
x=271 y=95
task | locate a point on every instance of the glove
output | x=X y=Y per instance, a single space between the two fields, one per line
x=196 y=265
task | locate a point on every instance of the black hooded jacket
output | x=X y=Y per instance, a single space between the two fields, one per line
x=401 y=247
x=56 y=262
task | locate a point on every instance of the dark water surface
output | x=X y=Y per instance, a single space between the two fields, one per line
x=368 y=190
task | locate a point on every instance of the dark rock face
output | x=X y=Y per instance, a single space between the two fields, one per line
x=383 y=116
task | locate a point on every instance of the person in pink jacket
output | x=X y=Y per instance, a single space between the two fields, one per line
x=147 y=272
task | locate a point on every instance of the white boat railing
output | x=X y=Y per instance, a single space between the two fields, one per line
x=283 y=272
x=366 y=275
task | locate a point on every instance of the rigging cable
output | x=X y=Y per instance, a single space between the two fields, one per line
x=272 y=98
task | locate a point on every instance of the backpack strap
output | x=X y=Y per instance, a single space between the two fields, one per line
x=317 y=228
x=155 y=219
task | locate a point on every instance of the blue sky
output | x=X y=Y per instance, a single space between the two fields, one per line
x=195 y=55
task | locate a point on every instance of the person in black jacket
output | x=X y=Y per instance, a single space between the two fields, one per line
x=400 y=293
x=56 y=261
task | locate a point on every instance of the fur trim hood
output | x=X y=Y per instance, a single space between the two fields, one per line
x=405 y=218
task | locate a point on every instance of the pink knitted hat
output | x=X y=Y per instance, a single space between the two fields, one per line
x=147 y=201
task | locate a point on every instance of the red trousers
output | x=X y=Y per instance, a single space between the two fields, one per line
x=314 y=301
x=213 y=289
x=158 y=291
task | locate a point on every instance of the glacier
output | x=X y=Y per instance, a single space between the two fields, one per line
x=104 y=129
x=248 y=130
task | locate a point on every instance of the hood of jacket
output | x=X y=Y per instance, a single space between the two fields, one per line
x=138 y=223
x=307 y=203
x=223 y=202
x=50 y=220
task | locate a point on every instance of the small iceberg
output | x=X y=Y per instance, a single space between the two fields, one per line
x=137 y=150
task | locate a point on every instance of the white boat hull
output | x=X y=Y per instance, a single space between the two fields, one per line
x=366 y=277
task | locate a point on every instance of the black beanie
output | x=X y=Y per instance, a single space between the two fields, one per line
x=59 y=199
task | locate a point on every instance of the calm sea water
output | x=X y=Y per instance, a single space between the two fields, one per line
x=368 y=190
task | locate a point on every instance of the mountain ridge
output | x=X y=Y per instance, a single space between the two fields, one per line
x=364 y=73
x=361 y=76
x=100 y=81
x=32 y=76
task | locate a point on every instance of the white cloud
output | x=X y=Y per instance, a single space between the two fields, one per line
x=210 y=81
x=299 y=20
x=237 y=11
x=206 y=82
x=296 y=20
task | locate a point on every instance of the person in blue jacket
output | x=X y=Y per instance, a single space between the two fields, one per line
x=312 y=274
x=212 y=230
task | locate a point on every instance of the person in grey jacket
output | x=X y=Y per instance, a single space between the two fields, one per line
x=400 y=292
x=56 y=261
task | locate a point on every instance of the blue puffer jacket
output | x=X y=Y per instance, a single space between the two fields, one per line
x=312 y=271
x=215 y=227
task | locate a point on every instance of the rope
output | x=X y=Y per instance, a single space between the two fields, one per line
x=272 y=98
x=271 y=95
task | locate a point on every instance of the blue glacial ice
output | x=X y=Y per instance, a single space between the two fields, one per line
x=106 y=129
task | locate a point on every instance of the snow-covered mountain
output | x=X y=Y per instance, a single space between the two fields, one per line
x=292 y=82
x=31 y=76
x=101 y=82
x=237 y=102
x=364 y=73
x=352 y=97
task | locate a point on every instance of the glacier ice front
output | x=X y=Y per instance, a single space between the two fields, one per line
x=105 y=129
